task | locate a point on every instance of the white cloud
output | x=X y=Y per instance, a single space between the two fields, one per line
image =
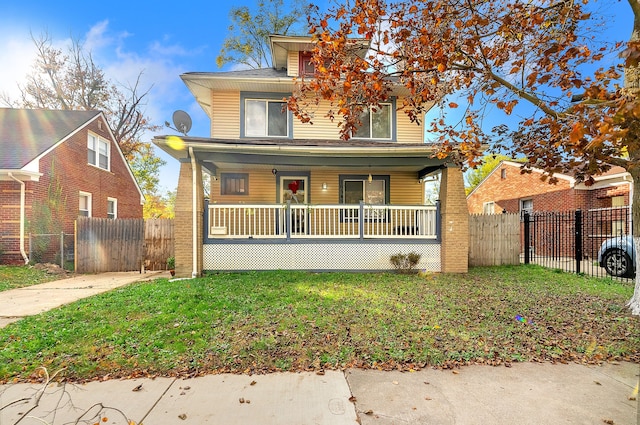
x=20 y=54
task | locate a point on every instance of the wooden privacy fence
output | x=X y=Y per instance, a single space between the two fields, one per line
x=158 y=243
x=107 y=245
x=494 y=239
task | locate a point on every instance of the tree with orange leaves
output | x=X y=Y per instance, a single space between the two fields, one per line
x=504 y=54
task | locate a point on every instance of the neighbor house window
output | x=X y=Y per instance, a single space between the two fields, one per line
x=488 y=207
x=376 y=123
x=84 y=208
x=372 y=192
x=234 y=184
x=617 y=201
x=526 y=206
x=112 y=208
x=98 y=152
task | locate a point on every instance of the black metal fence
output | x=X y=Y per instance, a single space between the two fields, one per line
x=595 y=242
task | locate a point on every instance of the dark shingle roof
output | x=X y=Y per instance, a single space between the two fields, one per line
x=27 y=133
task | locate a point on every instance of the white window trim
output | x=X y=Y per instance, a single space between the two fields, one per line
x=92 y=137
x=115 y=207
x=89 y=203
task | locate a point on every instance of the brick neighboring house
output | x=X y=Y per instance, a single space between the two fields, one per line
x=506 y=189
x=56 y=166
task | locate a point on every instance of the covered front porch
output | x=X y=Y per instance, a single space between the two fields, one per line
x=315 y=205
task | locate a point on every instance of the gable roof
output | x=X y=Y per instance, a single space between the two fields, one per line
x=26 y=134
x=614 y=173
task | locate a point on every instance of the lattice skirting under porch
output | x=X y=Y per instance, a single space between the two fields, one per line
x=324 y=256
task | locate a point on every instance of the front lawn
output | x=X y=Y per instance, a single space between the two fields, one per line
x=268 y=321
x=12 y=277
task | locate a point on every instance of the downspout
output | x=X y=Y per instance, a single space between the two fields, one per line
x=22 y=202
x=194 y=216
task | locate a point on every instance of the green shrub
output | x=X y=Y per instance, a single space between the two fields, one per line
x=405 y=263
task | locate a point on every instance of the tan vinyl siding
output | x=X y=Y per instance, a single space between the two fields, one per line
x=405 y=189
x=262 y=188
x=293 y=64
x=407 y=131
x=322 y=127
x=225 y=116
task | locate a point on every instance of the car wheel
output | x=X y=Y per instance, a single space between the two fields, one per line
x=617 y=263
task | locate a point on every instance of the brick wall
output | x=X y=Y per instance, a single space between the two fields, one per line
x=507 y=188
x=455 y=222
x=183 y=221
x=66 y=172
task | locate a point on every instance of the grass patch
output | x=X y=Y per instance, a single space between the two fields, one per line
x=12 y=277
x=268 y=321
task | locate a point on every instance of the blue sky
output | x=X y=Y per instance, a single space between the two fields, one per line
x=161 y=39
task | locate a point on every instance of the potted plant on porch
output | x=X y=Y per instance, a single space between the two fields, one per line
x=171 y=265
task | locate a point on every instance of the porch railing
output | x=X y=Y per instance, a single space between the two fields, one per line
x=322 y=221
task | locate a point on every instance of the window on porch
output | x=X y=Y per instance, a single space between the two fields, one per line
x=371 y=191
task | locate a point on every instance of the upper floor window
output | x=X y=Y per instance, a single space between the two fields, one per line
x=307 y=67
x=112 y=208
x=84 y=207
x=376 y=123
x=268 y=118
x=98 y=152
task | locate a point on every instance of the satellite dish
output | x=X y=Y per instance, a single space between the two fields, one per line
x=182 y=121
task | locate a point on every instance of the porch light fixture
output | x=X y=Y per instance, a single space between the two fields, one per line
x=324 y=186
x=370 y=178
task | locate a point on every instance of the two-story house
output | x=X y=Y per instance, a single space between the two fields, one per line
x=55 y=166
x=291 y=195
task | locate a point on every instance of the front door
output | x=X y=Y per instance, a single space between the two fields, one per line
x=294 y=189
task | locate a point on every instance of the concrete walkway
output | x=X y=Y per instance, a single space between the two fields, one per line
x=526 y=393
x=28 y=301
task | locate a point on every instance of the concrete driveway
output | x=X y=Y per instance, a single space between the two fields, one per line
x=28 y=301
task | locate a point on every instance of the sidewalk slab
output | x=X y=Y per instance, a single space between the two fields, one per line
x=526 y=393
x=67 y=403
x=273 y=399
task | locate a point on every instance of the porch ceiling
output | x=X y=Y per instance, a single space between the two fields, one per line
x=282 y=153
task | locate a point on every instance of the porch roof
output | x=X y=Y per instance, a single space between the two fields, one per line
x=271 y=153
